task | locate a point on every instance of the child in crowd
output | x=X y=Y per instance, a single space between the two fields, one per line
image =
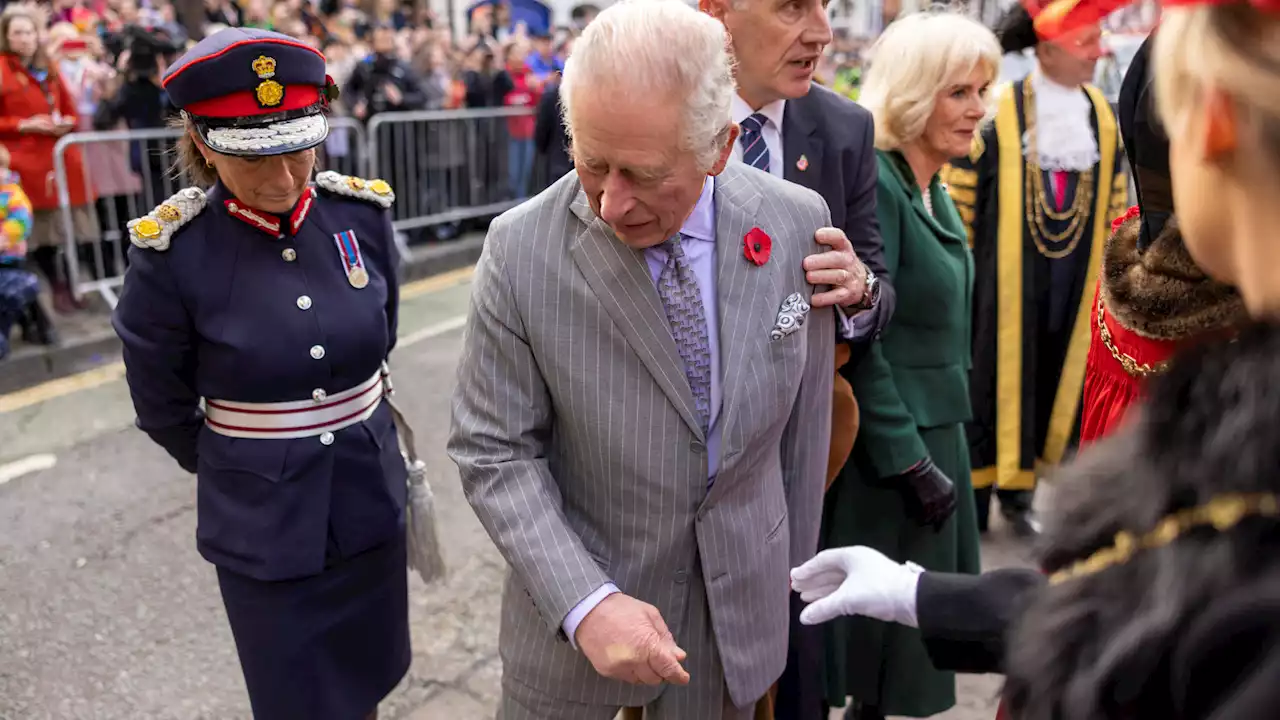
x=18 y=287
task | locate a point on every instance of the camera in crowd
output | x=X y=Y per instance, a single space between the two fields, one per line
x=146 y=47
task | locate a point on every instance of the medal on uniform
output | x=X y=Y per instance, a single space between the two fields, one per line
x=352 y=260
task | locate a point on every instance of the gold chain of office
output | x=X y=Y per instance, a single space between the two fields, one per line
x=1036 y=200
x=1130 y=365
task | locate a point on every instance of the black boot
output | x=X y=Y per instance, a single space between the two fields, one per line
x=859 y=711
x=1015 y=505
x=6 y=324
x=982 y=503
x=37 y=327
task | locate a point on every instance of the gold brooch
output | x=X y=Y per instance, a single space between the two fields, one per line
x=380 y=187
x=269 y=92
x=148 y=229
x=355 y=183
x=168 y=213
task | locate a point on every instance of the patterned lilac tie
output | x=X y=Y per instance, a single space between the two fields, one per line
x=682 y=300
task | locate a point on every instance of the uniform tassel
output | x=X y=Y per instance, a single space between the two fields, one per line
x=423 y=538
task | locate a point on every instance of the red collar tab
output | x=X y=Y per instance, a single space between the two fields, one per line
x=301 y=210
x=266 y=222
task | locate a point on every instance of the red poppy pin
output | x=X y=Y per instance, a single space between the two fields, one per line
x=756 y=245
x=1129 y=214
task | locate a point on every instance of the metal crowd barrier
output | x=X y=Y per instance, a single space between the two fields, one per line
x=132 y=171
x=452 y=165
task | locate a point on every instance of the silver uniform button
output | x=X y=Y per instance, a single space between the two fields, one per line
x=289 y=254
x=317 y=352
x=319 y=395
x=326 y=438
x=304 y=303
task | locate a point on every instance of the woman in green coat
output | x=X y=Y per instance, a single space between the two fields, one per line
x=905 y=490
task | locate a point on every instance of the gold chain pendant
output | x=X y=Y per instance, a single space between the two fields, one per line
x=1035 y=199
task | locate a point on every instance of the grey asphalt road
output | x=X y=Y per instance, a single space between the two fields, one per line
x=108 y=613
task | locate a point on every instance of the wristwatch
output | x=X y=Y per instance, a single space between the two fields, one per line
x=872 y=293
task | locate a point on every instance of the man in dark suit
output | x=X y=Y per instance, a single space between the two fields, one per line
x=798 y=130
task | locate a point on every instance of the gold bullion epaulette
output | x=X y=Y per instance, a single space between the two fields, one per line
x=154 y=229
x=378 y=192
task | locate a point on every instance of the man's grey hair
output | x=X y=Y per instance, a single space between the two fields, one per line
x=648 y=49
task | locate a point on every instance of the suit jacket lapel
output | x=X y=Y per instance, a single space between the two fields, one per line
x=800 y=140
x=620 y=279
x=742 y=291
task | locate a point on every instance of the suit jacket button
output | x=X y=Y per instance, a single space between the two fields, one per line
x=317 y=352
x=319 y=395
x=326 y=438
x=697 y=447
x=681 y=576
x=304 y=302
x=289 y=254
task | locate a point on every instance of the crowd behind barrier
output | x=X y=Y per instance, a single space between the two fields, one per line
x=447 y=167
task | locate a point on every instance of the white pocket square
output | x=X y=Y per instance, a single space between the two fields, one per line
x=791 y=316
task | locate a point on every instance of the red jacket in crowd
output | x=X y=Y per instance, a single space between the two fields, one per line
x=31 y=154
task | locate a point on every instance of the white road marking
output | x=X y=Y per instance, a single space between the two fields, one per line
x=430 y=331
x=26 y=466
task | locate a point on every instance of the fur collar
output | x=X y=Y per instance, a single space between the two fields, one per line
x=1161 y=293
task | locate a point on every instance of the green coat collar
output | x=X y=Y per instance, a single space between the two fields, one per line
x=945 y=220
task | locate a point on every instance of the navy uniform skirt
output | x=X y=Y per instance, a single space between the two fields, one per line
x=328 y=647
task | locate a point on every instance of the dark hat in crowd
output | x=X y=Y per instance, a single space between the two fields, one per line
x=1016 y=30
x=253 y=92
x=1145 y=144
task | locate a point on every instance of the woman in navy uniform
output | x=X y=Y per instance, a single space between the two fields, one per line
x=274 y=301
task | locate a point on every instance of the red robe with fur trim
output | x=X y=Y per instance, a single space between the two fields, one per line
x=1146 y=307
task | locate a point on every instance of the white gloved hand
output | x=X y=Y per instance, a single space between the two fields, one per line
x=857 y=581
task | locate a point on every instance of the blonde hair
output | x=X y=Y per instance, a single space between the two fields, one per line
x=916 y=58
x=1232 y=47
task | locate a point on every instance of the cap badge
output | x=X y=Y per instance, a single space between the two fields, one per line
x=269 y=92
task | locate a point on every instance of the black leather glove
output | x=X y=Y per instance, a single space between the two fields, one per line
x=929 y=495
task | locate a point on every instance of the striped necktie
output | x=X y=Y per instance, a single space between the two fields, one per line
x=755 y=151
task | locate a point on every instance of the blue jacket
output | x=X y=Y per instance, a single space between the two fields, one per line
x=220 y=315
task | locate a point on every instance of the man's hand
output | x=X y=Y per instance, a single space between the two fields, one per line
x=627 y=640
x=838 y=267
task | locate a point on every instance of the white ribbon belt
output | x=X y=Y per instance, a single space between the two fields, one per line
x=297 y=419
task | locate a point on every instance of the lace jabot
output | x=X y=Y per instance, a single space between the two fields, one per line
x=1063 y=125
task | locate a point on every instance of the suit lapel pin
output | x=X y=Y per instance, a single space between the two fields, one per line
x=802 y=164
x=756 y=246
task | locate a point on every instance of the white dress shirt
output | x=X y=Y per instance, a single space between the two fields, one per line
x=772 y=130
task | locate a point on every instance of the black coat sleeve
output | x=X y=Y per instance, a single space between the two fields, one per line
x=964 y=619
x=548 y=115
x=862 y=226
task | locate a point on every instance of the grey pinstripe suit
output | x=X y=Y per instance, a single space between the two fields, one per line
x=579 y=447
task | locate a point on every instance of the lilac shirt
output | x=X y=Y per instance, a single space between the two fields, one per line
x=699 y=233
